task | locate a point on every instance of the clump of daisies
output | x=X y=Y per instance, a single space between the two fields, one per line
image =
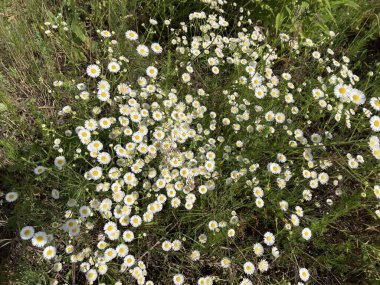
x=191 y=165
x=54 y=25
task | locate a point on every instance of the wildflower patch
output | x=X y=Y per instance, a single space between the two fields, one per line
x=204 y=156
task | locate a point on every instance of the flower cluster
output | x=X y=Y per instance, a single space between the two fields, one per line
x=226 y=146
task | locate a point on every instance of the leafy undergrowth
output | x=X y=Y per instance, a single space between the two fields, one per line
x=298 y=184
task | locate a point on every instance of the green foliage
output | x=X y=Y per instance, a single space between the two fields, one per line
x=349 y=254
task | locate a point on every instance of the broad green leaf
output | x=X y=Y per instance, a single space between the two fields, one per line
x=279 y=20
x=79 y=33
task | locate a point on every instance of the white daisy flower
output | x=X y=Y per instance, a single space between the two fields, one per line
x=129 y=260
x=142 y=50
x=166 y=246
x=186 y=77
x=375 y=123
x=96 y=173
x=113 y=67
x=258 y=249
x=342 y=91
x=156 y=48
x=269 y=238
x=306 y=233
x=91 y=275
x=93 y=70
x=128 y=236
x=104 y=158
x=131 y=35
x=136 y=221
x=304 y=274
x=375 y=103
x=49 y=252
x=27 y=233
x=225 y=262
x=39 y=170
x=245 y=281
x=249 y=268
x=263 y=265
x=11 y=197
x=105 y=34
x=357 y=97
x=59 y=162
x=178 y=279
x=39 y=239
x=152 y=71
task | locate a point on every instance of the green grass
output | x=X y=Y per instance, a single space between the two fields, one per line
x=347 y=250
